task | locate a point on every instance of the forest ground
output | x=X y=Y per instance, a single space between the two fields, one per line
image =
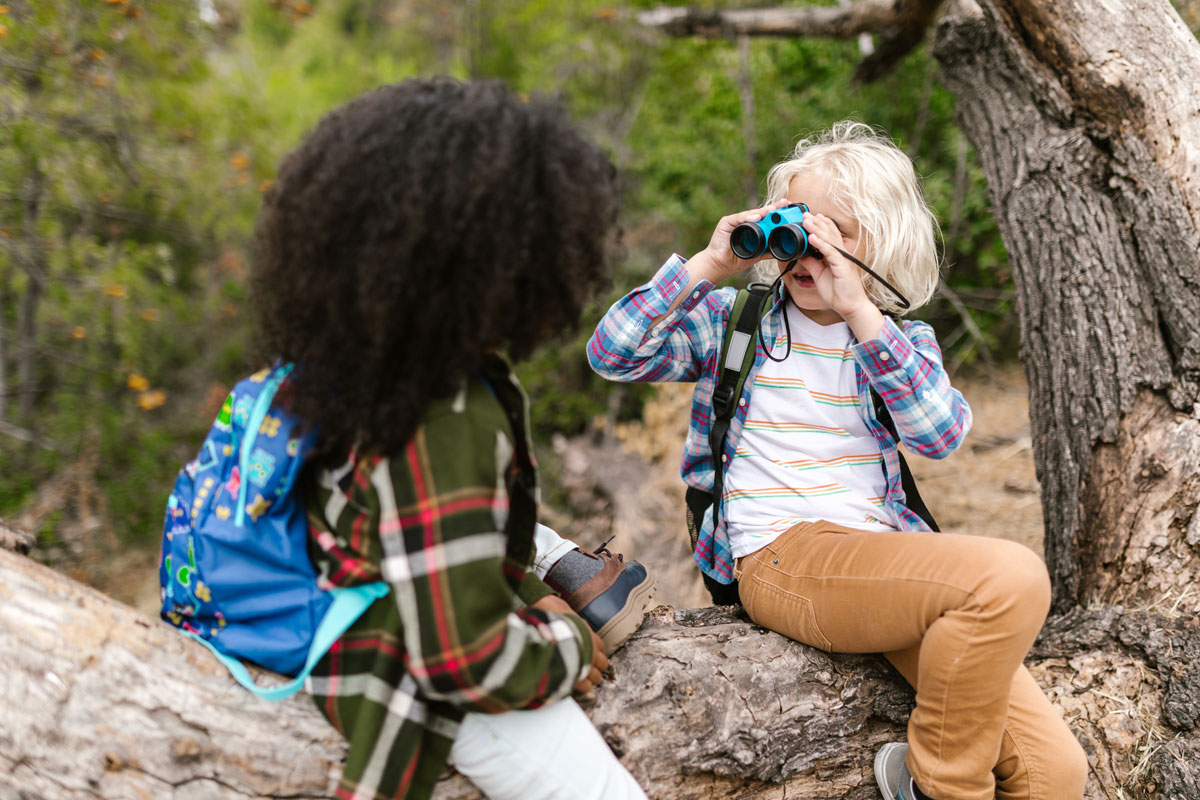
x=624 y=480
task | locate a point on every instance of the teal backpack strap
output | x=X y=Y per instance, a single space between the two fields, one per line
x=262 y=404
x=734 y=364
x=347 y=606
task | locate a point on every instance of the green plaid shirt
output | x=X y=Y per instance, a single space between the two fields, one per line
x=448 y=523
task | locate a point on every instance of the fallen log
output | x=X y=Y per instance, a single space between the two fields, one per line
x=103 y=702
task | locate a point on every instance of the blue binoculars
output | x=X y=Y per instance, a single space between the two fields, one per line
x=780 y=232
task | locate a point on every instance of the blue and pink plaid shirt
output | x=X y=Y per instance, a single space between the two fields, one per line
x=903 y=364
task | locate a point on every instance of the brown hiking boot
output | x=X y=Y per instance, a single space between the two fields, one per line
x=613 y=600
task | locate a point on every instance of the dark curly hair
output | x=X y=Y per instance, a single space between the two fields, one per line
x=416 y=229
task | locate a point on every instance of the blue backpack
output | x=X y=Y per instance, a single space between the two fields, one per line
x=235 y=570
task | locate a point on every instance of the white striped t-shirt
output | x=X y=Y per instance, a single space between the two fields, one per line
x=805 y=452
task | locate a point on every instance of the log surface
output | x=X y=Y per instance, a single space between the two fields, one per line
x=103 y=702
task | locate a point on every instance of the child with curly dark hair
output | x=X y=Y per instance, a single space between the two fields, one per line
x=415 y=234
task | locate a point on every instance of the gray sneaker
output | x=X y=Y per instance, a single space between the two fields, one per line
x=891 y=773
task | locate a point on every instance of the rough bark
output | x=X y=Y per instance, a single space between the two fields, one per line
x=102 y=702
x=1090 y=140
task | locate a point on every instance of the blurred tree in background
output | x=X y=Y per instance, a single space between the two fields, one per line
x=138 y=136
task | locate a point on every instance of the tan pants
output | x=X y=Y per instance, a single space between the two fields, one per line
x=956 y=615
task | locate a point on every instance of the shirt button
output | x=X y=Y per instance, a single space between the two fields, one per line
x=742 y=402
x=695 y=295
x=724 y=458
x=884 y=356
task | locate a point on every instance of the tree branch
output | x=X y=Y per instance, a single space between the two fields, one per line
x=865 y=16
x=968 y=321
x=114 y=212
x=27 y=262
x=8 y=429
x=901 y=23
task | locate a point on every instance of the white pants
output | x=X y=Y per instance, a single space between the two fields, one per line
x=551 y=753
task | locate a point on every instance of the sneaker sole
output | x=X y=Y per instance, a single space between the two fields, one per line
x=880 y=778
x=629 y=618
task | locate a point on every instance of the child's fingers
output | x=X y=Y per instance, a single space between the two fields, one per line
x=598 y=646
x=831 y=252
x=752 y=214
x=823 y=231
x=818 y=240
x=599 y=660
x=822 y=226
x=817 y=269
x=590 y=682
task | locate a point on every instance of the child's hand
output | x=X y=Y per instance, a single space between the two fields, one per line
x=556 y=605
x=599 y=666
x=717 y=262
x=839 y=280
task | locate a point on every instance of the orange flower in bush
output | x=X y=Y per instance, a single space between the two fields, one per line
x=152 y=399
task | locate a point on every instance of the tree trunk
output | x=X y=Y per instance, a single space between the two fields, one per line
x=34 y=263
x=1087 y=125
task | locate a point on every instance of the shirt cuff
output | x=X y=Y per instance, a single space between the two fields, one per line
x=532 y=588
x=671 y=279
x=886 y=353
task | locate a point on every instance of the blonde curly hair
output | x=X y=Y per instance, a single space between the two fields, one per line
x=873 y=181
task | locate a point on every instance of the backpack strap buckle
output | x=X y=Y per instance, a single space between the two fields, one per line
x=723 y=400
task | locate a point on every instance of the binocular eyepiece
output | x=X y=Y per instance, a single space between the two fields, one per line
x=780 y=232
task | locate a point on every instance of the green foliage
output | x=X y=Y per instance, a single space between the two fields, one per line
x=565 y=396
x=139 y=136
x=107 y=212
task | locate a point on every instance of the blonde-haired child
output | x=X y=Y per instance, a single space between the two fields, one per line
x=814 y=524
